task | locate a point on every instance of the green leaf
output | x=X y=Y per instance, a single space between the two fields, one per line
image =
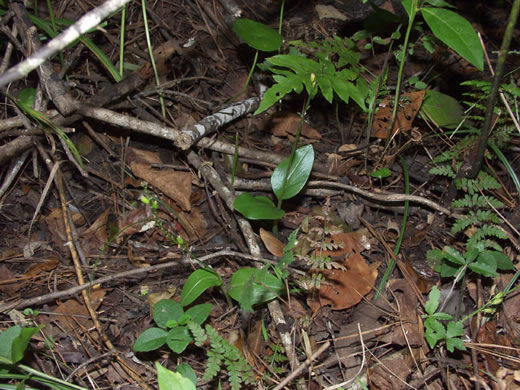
x=151 y=339
x=258 y=289
x=501 y=260
x=257 y=207
x=455 y=329
x=287 y=181
x=434 y=331
x=440 y=3
x=178 y=339
x=198 y=282
x=26 y=97
x=456 y=32
x=485 y=265
x=288 y=80
x=381 y=173
x=186 y=371
x=169 y=380
x=453 y=255
x=166 y=310
x=444 y=110
x=455 y=343
x=257 y=35
x=199 y=313
x=433 y=300
x=14 y=342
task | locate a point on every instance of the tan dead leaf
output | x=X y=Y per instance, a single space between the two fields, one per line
x=138 y=261
x=347 y=148
x=96 y=237
x=135 y=221
x=75 y=312
x=174 y=184
x=42 y=266
x=285 y=124
x=234 y=84
x=273 y=244
x=410 y=105
x=344 y=289
x=329 y=12
x=381 y=379
x=6 y=286
x=153 y=298
x=351 y=243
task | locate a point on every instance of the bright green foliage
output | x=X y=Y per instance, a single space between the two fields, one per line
x=290 y=176
x=257 y=35
x=198 y=282
x=222 y=353
x=14 y=342
x=294 y=71
x=444 y=110
x=451 y=263
x=435 y=331
x=381 y=173
x=456 y=32
x=169 y=380
x=257 y=207
x=288 y=179
x=251 y=286
x=171 y=319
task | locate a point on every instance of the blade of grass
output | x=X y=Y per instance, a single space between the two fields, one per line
x=391 y=264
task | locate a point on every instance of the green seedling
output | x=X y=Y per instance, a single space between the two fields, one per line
x=435 y=330
x=258 y=36
x=380 y=174
x=25 y=102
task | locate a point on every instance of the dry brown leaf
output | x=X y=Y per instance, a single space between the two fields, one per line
x=75 y=312
x=285 y=124
x=344 y=289
x=273 y=244
x=44 y=265
x=411 y=103
x=96 y=237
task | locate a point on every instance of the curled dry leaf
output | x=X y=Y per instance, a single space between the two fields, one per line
x=285 y=124
x=273 y=244
x=344 y=289
x=174 y=184
x=409 y=108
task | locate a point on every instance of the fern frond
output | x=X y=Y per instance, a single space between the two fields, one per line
x=213 y=365
x=476 y=201
x=199 y=336
x=443 y=170
x=484 y=231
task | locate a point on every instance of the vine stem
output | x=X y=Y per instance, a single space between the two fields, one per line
x=411 y=17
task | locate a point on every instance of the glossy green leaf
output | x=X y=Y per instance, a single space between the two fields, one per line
x=501 y=260
x=169 y=380
x=257 y=207
x=433 y=300
x=198 y=282
x=444 y=110
x=485 y=266
x=186 y=371
x=26 y=97
x=257 y=35
x=381 y=173
x=249 y=284
x=178 y=339
x=150 y=340
x=456 y=32
x=14 y=342
x=199 y=313
x=434 y=331
x=287 y=181
x=166 y=310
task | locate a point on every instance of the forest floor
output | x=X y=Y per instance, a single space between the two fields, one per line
x=112 y=201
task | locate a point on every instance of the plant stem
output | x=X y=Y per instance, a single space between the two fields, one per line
x=391 y=264
x=476 y=164
x=402 y=60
